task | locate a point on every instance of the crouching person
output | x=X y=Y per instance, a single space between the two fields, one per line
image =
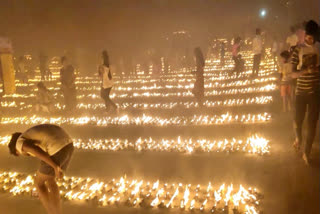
x=54 y=148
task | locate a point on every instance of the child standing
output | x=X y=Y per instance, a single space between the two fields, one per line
x=285 y=68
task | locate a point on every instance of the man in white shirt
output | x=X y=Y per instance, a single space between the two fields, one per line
x=257 y=52
x=53 y=146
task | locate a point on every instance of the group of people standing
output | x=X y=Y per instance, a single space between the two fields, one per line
x=45 y=100
x=25 y=68
x=300 y=82
x=257 y=49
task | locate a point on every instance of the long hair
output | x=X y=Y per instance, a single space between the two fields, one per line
x=199 y=57
x=105 y=57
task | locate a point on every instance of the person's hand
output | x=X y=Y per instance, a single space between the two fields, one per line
x=58 y=172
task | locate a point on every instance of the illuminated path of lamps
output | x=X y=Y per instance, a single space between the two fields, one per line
x=257 y=100
x=254 y=144
x=196 y=120
x=187 y=93
x=144 y=194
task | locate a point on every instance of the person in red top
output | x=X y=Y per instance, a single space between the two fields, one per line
x=235 y=54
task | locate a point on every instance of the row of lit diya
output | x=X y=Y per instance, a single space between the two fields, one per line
x=211 y=63
x=130 y=81
x=129 y=95
x=165 y=80
x=219 y=92
x=144 y=194
x=266 y=65
x=195 y=120
x=254 y=144
x=258 y=100
x=165 y=86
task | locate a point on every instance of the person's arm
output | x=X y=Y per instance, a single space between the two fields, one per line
x=100 y=71
x=295 y=62
x=30 y=148
x=110 y=74
x=62 y=77
x=295 y=75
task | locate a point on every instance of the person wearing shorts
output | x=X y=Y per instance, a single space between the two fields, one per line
x=54 y=148
x=285 y=68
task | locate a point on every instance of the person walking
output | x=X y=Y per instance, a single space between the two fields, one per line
x=235 y=54
x=22 y=70
x=43 y=66
x=54 y=148
x=222 y=53
x=106 y=82
x=306 y=62
x=198 y=89
x=68 y=87
x=257 y=52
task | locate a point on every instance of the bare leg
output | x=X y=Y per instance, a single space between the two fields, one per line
x=54 y=195
x=289 y=102
x=40 y=183
x=284 y=104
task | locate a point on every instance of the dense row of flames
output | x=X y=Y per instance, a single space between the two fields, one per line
x=123 y=86
x=195 y=120
x=270 y=87
x=146 y=194
x=254 y=144
x=258 y=100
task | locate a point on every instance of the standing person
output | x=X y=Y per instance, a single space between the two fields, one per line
x=235 y=54
x=68 y=87
x=43 y=66
x=54 y=148
x=222 y=53
x=285 y=68
x=257 y=52
x=292 y=39
x=198 y=89
x=106 y=81
x=22 y=69
x=44 y=99
x=306 y=60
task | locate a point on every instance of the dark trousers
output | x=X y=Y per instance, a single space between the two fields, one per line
x=70 y=98
x=105 y=95
x=309 y=104
x=198 y=90
x=236 y=63
x=221 y=59
x=43 y=72
x=256 y=64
